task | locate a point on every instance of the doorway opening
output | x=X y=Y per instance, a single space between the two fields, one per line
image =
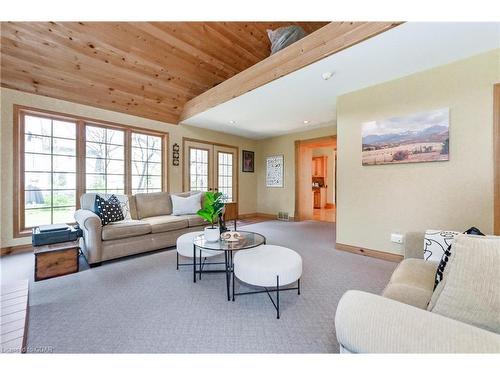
x=315 y=179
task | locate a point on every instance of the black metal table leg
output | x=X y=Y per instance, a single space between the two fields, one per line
x=226 y=258
x=200 y=268
x=194 y=263
x=232 y=270
x=277 y=297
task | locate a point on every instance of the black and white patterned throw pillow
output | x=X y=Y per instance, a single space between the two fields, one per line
x=447 y=255
x=109 y=210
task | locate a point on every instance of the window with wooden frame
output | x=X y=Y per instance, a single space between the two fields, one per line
x=104 y=160
x=59 y=157
x=146 y=163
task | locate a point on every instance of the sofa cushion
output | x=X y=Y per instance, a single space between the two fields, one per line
x=87 y=202
x=447 y=255
x=194 y=220
x=470 y=290
x=412 y=282
x=153 y=204
x=437 y=242
x=109 y=210
x=186 y=205
x=125 y=229
x=166 y=223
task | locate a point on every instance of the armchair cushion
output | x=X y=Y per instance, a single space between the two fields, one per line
x=470 y=290
x=412 y=282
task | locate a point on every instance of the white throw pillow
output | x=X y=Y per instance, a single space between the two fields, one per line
x=186 y=205
x=436 y=242
x=470 y=290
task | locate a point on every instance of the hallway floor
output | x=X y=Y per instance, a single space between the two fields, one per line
x=324 y=214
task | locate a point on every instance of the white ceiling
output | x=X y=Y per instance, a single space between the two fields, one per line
x=281 y=106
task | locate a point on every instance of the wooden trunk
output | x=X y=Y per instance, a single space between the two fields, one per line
x=56 y=260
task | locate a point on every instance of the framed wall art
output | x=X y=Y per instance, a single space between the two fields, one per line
x=248 y=161
x=416 y=138
x=274 y=171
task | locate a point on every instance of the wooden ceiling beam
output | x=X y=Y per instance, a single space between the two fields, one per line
x=326 y=41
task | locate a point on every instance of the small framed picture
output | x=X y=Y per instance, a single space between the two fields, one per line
x=248 y=158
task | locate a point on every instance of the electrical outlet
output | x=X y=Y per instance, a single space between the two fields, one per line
x=397 y=238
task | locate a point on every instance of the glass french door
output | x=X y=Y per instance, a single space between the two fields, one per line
x=209 y=167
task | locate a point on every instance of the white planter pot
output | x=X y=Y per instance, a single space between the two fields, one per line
x=212 y=234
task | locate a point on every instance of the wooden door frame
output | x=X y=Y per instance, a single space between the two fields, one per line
x=496 y=158
x=327 y=141
x=237 y=151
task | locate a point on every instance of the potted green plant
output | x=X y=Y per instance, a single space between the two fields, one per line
x=212 y=206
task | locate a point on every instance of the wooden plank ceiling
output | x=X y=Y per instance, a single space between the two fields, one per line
x=146 y=69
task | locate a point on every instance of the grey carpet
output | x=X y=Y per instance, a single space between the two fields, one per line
x=142 y=304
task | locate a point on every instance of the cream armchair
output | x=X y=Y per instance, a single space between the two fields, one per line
x=398 y=322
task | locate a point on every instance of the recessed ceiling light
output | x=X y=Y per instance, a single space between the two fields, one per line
x=232 y=122
x=327 y=75
x=306 y=121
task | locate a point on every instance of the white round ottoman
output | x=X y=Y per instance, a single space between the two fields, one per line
x=268 y=266
x=185 y=248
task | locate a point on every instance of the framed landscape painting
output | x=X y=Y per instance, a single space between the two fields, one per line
x=417 y=138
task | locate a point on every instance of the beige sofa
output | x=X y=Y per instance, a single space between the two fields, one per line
x=151 y=227
x=399 y=322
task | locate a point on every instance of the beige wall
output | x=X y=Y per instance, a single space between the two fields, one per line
x=374 y=201
x=272 y=200
x=329 y=152
x=247 y=181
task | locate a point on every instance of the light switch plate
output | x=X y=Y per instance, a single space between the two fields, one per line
x=397 y=238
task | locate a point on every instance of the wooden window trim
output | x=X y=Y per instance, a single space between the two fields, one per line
x=496 y=159
x=18 y=156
